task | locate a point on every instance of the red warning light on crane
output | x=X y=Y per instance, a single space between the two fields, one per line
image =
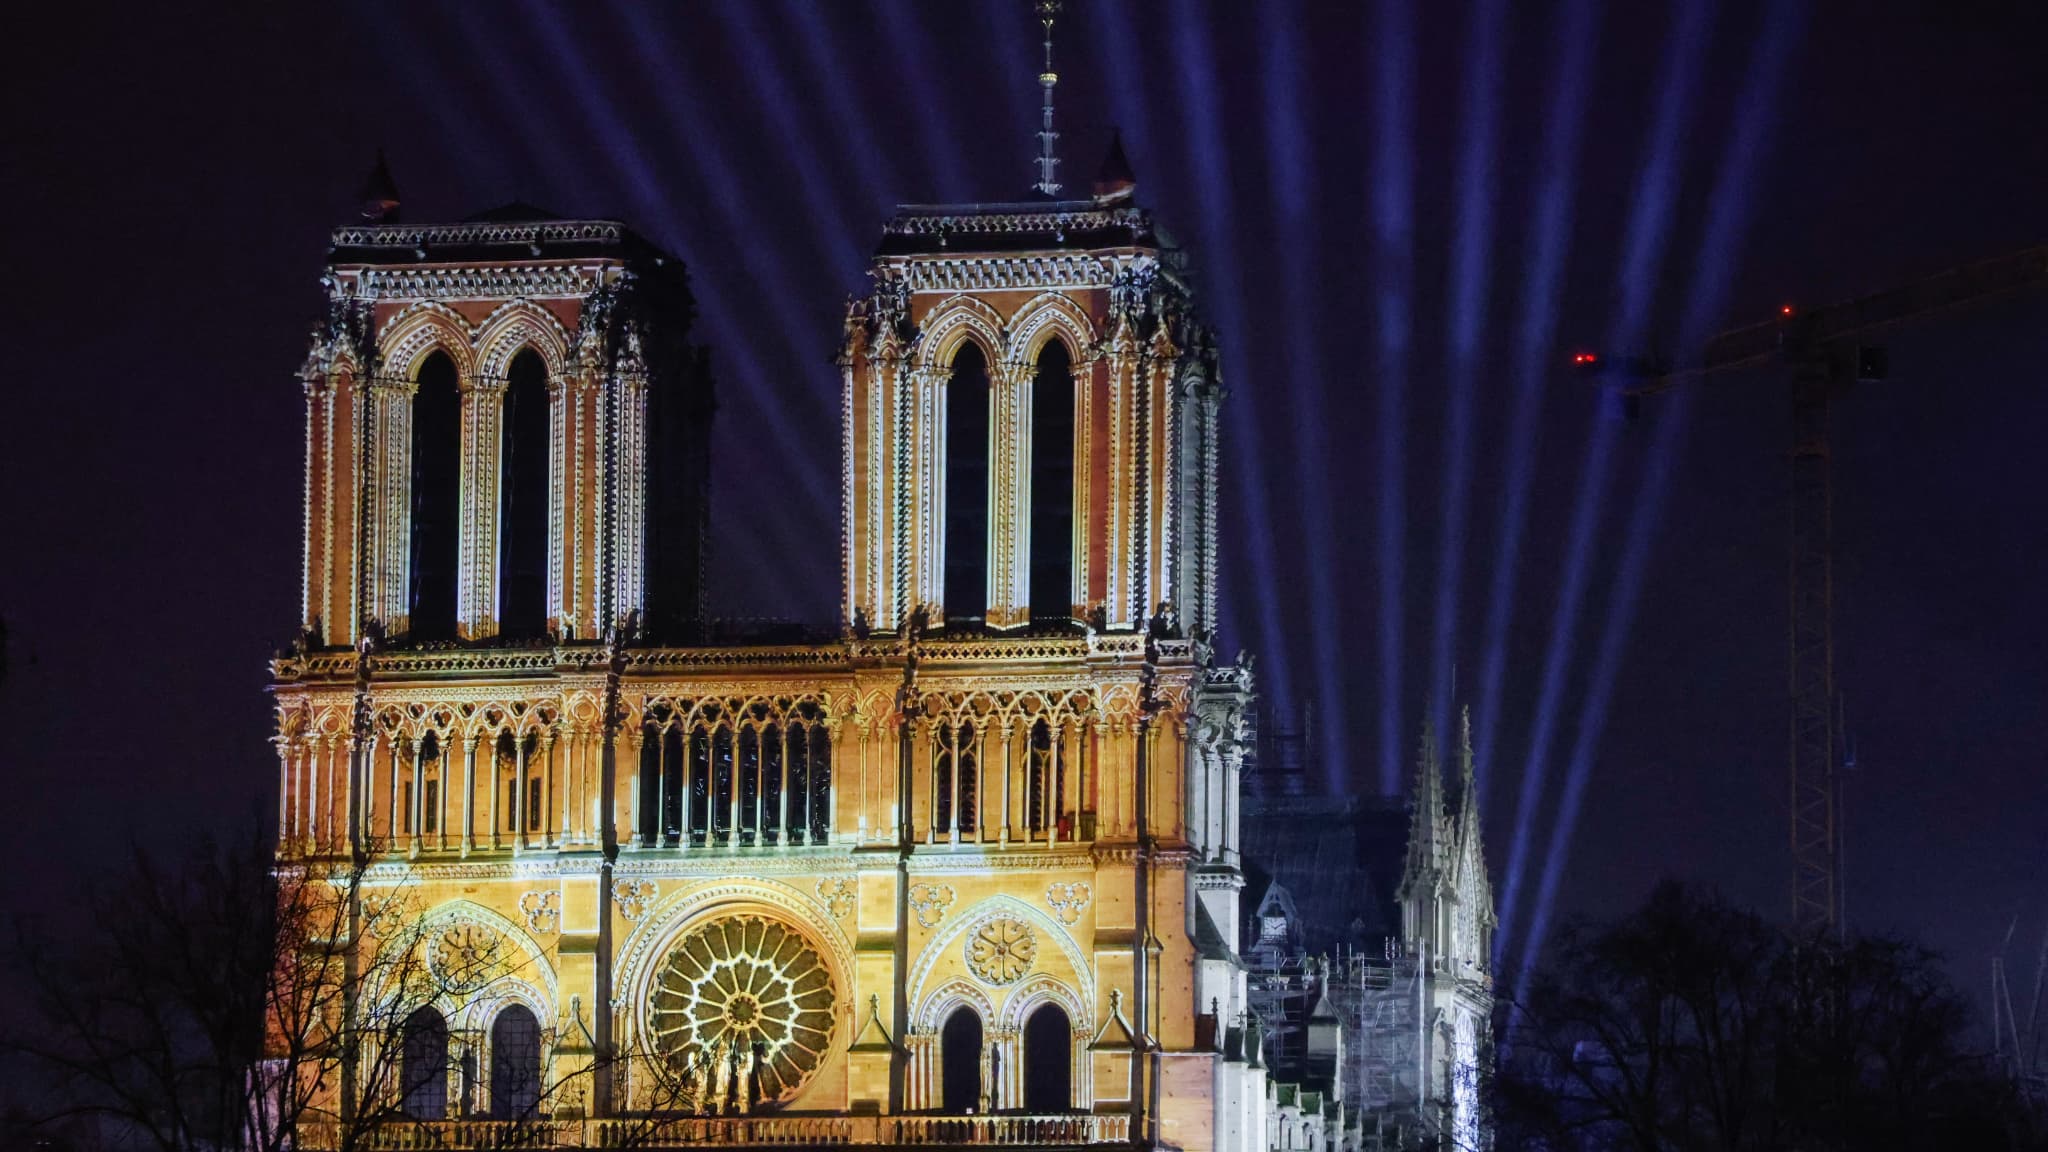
x=1784 y=310
x=1583 y=359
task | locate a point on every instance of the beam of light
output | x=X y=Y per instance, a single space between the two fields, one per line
x=1014 y=62
x=756 y=392
x=822 y=199
x=1643 y=251
x=1293 y=182
x=685 y=123
x=827 y=67
x=449 y=107
x=1542 y=280
x=1195 y=77
x=1470 y=286
x=910 y=48
x=1727 y=222
x=1122 y=68
x=1393 y=232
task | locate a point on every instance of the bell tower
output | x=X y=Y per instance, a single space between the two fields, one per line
x=1030 y=420
x=506 y=433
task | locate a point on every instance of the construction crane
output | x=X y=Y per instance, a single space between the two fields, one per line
x=1822 y=350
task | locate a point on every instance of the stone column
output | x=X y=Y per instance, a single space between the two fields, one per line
x=518 y=793
x=547 y=788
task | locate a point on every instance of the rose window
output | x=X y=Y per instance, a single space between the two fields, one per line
x=1001 y=951
x=466 y=956
x=744 y=984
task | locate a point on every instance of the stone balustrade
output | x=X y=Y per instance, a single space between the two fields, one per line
x=1053 y=1131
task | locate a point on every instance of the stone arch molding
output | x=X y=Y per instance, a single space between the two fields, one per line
x=530 y=978
x=1043 y=317
x=1049 y=931
x=958 y=319
x=955 y=993
x=517 y=325
x=1038 y=990
x=675 y=914
x=420 y=330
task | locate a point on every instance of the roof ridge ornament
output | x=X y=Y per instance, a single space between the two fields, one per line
x=1048 y=161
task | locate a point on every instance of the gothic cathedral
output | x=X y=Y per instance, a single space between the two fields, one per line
x=966 y=871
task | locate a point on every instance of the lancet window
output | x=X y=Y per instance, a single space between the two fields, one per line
x=523 y=500
x=436 y=499
x=515 y=1063
x=423 y=1065
x=1052 y=485
x=736 y=774
x=967 y=487
x=1046 y=782
x=956 y=763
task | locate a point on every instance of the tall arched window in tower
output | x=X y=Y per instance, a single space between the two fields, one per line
x=967 y=432
x=955 y=780
x=523 y=501
x=1052 y=484
x=1048 y=1060
x=436 y=499
x=423 y=1065
x=515 y=1064
x=960 y=1063
x=1045 y=783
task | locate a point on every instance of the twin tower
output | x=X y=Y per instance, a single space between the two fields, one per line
x=974 y=858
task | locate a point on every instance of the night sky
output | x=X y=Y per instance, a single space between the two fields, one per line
x=1404 y=218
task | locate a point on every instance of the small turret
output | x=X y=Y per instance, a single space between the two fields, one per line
x=379 y=198
x=1115 y=180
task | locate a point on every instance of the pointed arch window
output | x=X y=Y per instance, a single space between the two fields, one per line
x=960 y=1042
x=1048 y=1060
x=955 y=780
x=523 y=501
x=423 y=1065
x=1052 y=484
x=436 y=499
x=515 y=1064
x=966 y=487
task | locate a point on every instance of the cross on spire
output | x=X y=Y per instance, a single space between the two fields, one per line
x=1048 y=163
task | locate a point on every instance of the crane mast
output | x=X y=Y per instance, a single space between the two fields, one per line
x=1821 y=350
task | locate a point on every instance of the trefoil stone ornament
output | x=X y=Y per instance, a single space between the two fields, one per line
x=635 y=897
x=930 y=902
x=1067 y=900
x=543 y=911
x=839 y=896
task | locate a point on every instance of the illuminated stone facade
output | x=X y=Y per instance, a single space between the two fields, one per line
x=975 y=860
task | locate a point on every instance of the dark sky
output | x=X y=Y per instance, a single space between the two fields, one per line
x=1371 y=194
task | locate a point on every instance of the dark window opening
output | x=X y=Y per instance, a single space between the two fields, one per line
x=1052 y=485
x=515 y=1064
x=436 y=499
x=955 y=790
x=523 y=493
x=967 y=435
x=1048 y=1060
x=960 y=1063
x=423 y=1065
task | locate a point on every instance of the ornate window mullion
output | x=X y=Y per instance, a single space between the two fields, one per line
x=558 y=454
x=1010 y=497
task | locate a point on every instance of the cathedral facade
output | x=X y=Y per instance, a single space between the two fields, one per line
x=967 y=870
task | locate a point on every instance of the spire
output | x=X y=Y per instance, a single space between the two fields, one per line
x=1048 y=163
x=1425 y=849
x=379 y=198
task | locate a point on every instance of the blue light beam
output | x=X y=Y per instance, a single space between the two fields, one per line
x=1394 y=233
x=1643 y=253
x=1727 y=222
x=1470 y=288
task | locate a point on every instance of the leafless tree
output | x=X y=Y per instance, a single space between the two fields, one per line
x=1692 y=1024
